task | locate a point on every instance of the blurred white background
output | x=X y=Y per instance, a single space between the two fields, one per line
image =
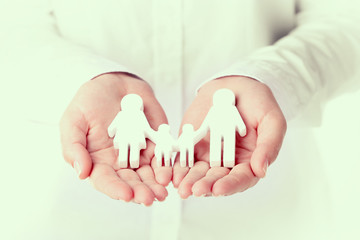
x=311 y=192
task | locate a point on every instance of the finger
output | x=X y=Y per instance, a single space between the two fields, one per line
x=147 y=176
x=73 y=130
x=142 y=193
x=271 y=132
x=195 y=173
x=156 y=116
x=104 y=179
x=239 y=179
x=163 y=174
x=178 y=172
x=146 y=155
x=204 y=186
x=154 y=112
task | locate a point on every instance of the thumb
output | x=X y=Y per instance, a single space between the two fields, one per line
x=156 y=116
x=73 y=131
x=271 y=132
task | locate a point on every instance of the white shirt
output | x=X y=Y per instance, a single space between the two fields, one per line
x=296 y=47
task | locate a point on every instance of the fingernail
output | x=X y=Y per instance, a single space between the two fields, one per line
x=77 y=168
x=184 y=196
x=266 y=164
x=143 y=204
x=201 y=195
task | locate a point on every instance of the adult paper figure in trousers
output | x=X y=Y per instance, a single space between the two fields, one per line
x=223 y=121
x=130 y=128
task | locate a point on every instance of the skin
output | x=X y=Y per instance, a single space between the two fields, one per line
x=88 y=148
x=266 y=127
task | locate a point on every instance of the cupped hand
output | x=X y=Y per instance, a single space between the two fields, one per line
x=266 y=127
x=88 y=148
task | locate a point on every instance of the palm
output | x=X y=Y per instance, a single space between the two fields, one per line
x=95 y=106
x=203 y=180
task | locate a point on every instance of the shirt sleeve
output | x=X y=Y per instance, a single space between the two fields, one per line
x=31 y=36
x=319 y=54
x=43 y=68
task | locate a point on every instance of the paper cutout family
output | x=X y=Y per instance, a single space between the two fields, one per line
x=130 y=129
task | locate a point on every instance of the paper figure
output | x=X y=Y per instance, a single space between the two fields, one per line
x=186 y=143
x=130 y=128
x=222 y=120
x=165 y=145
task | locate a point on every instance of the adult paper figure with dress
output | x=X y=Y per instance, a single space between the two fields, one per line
x=130 y=128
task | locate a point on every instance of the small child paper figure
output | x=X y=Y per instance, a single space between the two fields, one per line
x=130 y=128
x=165 y=145
x=186 y=142
x=223 y=120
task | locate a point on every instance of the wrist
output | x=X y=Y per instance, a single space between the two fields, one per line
x=126 y=83
x=234 y=82
x=115 y=76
